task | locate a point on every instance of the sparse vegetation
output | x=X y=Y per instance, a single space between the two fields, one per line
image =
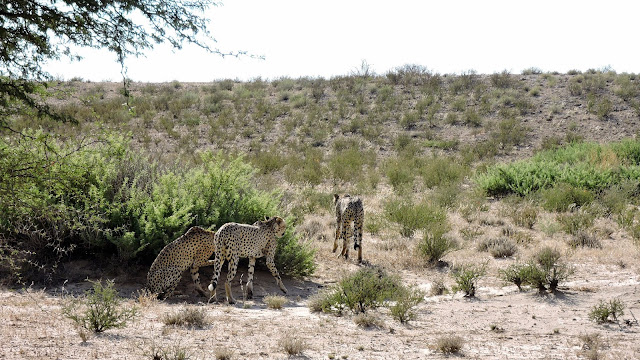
x=100 y=309
x=275 y=301
x=606 y=311
x=466 y=277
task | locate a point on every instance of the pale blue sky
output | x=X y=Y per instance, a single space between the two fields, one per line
x=332 y=37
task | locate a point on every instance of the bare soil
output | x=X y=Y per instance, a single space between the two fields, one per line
x=499 y=323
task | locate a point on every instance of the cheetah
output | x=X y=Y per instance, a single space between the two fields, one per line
x=348 y=209
x=235 y=241
x=191 y=250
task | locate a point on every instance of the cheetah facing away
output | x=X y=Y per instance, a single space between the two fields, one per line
x=235 y=241
x=191 y=250
x=348 y=209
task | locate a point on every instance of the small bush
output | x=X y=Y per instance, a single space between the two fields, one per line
x=188 y=317
x=275 y=301
x=551 y=270
x=435 y=245
x=172 y=352
x=100 y=309
x=466 y=277
x=405 y=302
x=516 y=274
x=450 y=344
x=606 y=311
x=438 y=287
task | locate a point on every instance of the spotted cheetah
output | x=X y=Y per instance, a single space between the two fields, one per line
x=191 y=250
x=235 y=241
x=348 y=209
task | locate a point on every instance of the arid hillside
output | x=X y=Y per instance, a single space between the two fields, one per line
x=504 y=208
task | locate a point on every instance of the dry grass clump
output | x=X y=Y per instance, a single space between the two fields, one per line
x=449 y=344
x=275 y=301
x=188 y=317
x=292 y=345
x=498 y=248
x=224 y=353
x=368 y=319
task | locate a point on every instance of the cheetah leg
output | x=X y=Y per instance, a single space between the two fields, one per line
x=252 y=264
x=196 y=277
x=274 y=271
x=217 y=267
x=347 y=233
x=357 y=240
x=335 y=241
x=231 y=273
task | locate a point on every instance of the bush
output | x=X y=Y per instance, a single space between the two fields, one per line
x=292 y=345
x=368 y=288
x=412 y=217
x=435 y=245
x=563 y=196
x=466 y=277
x=107 y=198
x=516 y=274
x=606 y=311
x=584 y=239
x=100 y=309
x=550 y=271
x=406 y=300
x=525 y=216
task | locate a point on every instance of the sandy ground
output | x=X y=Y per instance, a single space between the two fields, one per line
x=500 y=323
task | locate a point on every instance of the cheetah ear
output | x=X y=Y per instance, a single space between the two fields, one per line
x=335 y=198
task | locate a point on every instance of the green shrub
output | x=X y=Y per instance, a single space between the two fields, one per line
x=412 y=217
x=584 y=239
x=406 y=299
x=503 y=80
x=516 y=274
x=564 y=196
x=606 y=311
x=435 y=245
x=576 y=222
x=584 y=166
x=100 y=309
x=466 y=278
x=553 y=270
x=439 y=170
x=108 y=198
x=368 y=288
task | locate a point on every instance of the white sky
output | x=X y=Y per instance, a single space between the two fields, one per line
x=332 y=37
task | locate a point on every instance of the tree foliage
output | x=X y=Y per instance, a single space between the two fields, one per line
x=33 y=32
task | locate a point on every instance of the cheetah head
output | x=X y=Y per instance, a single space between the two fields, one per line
x=277 y=225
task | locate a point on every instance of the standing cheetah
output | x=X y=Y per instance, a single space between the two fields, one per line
x=235 y=241
x=191 y=250
x=348 y=209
